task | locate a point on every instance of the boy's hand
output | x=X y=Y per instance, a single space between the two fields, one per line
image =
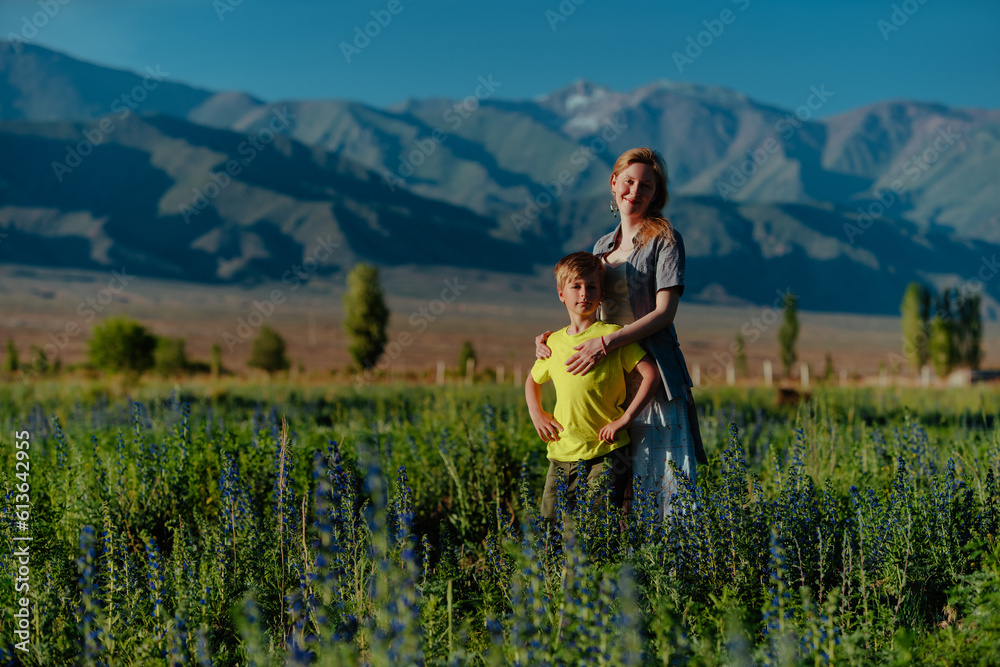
x=547 y=426
x=610 y=432
x=542 y=350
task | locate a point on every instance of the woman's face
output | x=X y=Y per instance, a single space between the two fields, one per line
x=634 y=187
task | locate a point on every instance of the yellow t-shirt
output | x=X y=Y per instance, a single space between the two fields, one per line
x=586 y=403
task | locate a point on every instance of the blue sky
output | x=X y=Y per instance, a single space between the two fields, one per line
x=772 y=51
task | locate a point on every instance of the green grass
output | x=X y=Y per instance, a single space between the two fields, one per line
x=398 y=524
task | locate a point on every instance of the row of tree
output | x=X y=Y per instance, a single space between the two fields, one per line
x=123 y=346
x=945 y=329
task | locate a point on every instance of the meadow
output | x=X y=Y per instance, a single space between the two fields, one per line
x=237 y=524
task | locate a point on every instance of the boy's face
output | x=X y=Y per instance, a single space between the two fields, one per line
x=582 y=295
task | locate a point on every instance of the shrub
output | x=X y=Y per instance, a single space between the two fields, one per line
x=268 y=352
x=121 y=345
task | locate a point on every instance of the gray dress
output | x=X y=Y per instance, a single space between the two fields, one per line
x=667 y=429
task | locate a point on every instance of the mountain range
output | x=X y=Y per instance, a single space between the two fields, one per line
x=101 y=167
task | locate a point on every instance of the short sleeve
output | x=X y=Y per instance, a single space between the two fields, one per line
x=632 y=354
x=540 y=371
x=670 y=263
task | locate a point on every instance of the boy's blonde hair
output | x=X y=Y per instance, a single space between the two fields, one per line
x=576 y=265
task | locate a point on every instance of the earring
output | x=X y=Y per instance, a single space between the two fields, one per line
x=614 y=209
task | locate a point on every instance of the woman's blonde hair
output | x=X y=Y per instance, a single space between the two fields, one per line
x=655 y=224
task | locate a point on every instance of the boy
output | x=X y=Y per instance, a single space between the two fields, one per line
x=589 y=421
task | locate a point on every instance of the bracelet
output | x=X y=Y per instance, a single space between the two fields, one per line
x=604 y=346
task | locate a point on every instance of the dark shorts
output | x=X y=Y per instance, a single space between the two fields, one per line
x=620 y=463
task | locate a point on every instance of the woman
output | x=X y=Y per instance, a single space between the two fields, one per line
x=644 y=257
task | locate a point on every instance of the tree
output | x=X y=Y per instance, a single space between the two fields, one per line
x=914 y=309
x=789 y=333
x=942 y=345
x=742 y=368
x=467 y=352
x=169 y=357
x=969 y=332
x=11 y=363
x=365 y=315
x=268 y=352
x=954 y=336
x=121 y=345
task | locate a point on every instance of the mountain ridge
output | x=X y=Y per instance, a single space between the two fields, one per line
x=439 y=182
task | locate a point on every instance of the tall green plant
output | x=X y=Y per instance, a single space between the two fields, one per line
x=914 y=309
x=742 y=368
x=789 y=333
x=365 y=315
x=11 y=362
